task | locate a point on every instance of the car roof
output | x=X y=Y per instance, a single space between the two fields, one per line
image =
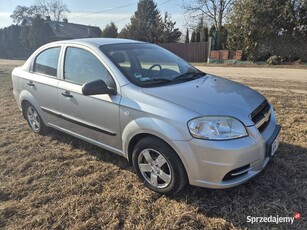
x=97 y=41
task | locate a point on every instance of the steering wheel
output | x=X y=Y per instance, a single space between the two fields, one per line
x=154 y=65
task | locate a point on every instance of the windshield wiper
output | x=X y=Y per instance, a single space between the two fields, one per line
x=189 y=76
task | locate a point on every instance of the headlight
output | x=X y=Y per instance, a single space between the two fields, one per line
x=216 y=128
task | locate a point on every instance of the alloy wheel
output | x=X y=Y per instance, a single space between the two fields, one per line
x=154 y=168
x=34 y=119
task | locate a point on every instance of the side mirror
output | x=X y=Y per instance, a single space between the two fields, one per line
x=97 y=87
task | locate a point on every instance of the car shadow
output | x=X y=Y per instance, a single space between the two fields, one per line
x=100 y=153
x=280 y=189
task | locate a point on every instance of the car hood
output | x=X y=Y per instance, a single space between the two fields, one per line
x=211 y=95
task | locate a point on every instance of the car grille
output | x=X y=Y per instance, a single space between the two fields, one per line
x=261 y=115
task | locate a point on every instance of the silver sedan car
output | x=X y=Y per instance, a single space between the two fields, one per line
x=174 y=123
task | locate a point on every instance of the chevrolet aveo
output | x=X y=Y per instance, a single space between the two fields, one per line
x=174 y=123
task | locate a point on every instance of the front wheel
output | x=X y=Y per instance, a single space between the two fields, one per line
x=34 y=120
x=158 y=165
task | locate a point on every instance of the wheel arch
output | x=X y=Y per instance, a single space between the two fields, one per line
x=26 y=97
x=133 y=142
x=136 y=138
x=23 y=104
x=142 y=127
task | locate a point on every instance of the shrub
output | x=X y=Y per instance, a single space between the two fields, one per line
x=274 y=60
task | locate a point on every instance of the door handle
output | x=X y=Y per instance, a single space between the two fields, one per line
x=30 y=83
x=67 y=94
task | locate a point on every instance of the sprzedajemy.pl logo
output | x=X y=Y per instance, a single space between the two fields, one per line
x=273 y=219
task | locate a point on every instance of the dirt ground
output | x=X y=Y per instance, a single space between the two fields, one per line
x=278 y=76
x=59 y=182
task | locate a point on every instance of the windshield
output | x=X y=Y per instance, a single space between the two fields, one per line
x=149 y=65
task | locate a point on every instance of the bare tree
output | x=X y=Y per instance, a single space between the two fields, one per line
x=20 y=13
x=213 y=11
x=40 y=9
x=56 y=9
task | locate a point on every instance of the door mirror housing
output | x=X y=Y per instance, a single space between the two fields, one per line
x=97 y=87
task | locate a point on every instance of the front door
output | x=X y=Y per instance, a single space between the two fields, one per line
x=95 y=117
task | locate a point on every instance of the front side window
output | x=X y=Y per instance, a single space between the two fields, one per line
x=148 y=65
x=81 y=66
x=47 y=62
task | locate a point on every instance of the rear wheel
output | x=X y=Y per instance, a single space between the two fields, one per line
x=158 y=165
x=34 y=120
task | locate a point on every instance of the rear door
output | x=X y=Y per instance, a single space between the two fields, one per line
x=95 y=117
x=41 y=82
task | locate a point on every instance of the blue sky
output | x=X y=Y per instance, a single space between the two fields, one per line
x=98 y=12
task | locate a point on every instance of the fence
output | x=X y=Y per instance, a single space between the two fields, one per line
x=192 y=52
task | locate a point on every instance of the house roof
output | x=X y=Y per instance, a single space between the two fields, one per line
x=67 y=30
x=27 y=21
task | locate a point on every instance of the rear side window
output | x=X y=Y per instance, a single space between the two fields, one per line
x=47 y=62
x=81 y=66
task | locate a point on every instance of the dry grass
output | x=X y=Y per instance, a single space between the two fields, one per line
x=57 y=181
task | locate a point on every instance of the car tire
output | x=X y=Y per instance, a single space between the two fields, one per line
x=158 y=166
x=34 y=119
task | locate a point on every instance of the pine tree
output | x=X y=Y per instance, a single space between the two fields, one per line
x=187 y=37
x=170 y=33
x=204 y=34
x=147 y=25
x=110 y=31
x=193 y=37
x=197 y=35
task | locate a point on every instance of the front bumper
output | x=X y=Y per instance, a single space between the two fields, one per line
x=224 y=164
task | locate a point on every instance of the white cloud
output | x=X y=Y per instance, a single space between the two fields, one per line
x=5 y=19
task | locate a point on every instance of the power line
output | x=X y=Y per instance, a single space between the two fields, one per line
x=121 y=19
x=129 y=17
x=164 y=2
x=105 y=10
